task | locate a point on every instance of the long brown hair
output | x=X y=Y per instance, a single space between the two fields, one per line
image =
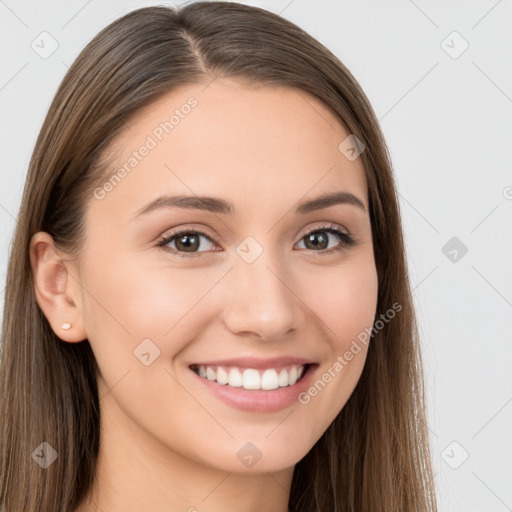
x=375 y=455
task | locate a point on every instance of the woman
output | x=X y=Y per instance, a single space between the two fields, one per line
x=207 y=303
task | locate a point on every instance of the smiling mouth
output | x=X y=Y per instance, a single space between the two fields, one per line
x=251 y=378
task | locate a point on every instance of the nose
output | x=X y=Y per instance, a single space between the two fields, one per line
x=261 y=299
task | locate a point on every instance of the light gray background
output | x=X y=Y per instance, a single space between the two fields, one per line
x=448 y=124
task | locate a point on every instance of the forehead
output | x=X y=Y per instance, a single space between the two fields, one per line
x=253 y=144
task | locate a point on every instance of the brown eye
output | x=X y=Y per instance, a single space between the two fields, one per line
x=318 y=239
x=186 y=242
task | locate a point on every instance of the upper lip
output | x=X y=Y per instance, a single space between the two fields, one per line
x=257 y=363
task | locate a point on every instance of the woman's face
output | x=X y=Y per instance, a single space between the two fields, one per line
x=244 y=287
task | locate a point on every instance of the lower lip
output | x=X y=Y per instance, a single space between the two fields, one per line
x=257 y=400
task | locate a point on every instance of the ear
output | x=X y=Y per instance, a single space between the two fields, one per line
x=57 y=288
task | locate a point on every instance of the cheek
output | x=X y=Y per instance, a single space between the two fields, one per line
x=128 y=300
x=345 y=299
x=129 y=303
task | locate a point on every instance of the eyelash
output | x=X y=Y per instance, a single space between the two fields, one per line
x=347 y=240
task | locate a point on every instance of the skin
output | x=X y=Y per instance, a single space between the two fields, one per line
x=166 y=443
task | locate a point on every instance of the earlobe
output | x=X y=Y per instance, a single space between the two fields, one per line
x=56 y=288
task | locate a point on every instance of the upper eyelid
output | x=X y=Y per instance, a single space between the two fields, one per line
x=202 y=231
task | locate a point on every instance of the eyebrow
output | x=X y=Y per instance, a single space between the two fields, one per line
x=216 y=205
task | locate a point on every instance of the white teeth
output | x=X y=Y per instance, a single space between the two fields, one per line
x=210 y=373
x=222 y=376
x=283 y=378
x=292 y=376
x=269 y=380
x=250 y=378
x=235 y=378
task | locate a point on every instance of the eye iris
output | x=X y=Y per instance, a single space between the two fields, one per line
x=322 y=244
x=183 y=242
